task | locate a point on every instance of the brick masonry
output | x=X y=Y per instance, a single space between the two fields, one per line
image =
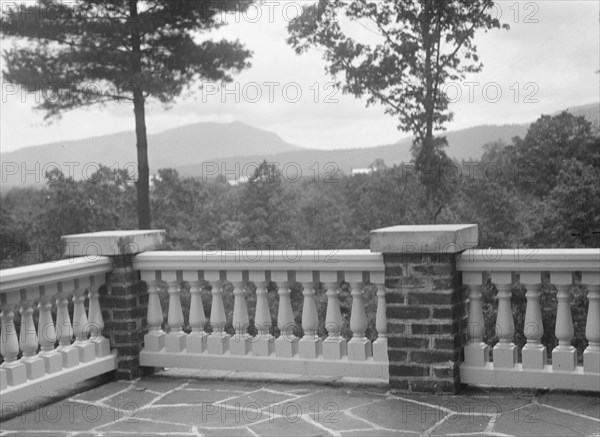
x=124 y=303
x=426 y=314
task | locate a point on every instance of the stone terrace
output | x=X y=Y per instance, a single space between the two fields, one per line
x=220 y=403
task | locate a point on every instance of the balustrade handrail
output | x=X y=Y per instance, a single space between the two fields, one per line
x=526 y=260
x=297 y=260
x=24 y=277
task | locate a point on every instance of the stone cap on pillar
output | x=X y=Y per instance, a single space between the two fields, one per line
x=424 y=239
x=112 y=243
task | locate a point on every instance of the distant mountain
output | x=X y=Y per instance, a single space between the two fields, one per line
x=172 y=148
x=464 y=143
x=227 y=146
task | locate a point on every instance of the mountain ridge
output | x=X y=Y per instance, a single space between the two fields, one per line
x=187 y=147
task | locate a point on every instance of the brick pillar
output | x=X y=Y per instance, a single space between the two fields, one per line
x=124 y=299
x=425 y=304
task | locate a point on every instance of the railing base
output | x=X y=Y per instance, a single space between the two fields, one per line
x=530 y=378
x=34 y=388
x=344 y=367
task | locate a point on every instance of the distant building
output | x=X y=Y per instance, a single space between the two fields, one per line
x=355 y=171
x=240 y=180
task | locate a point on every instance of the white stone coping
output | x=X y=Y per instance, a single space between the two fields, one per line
x=529 y=260
x=265 y=260
x=424 y=239
x=113 y=243
x=56 y=272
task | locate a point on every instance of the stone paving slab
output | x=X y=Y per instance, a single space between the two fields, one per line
x=210 y=403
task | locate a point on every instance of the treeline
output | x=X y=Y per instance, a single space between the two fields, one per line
x=539 y=191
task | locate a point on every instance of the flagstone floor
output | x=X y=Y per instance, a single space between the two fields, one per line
x=198 y=403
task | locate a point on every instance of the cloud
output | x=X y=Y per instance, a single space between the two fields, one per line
x=539 y=67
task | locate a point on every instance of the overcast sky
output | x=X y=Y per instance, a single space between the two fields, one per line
x=551 y=55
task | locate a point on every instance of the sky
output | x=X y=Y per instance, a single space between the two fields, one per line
x=546 y=62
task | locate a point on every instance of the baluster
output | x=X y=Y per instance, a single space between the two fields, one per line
x=380 y=346
x=16 y=372
x=591 y=354
x=310 y=345
x=286 y=345
x=154 y=340
x=534 y=352
x=359 y=347
x=505 y=351
x=240 y=343
x=47 y=333
x=218 y=341
x=264 y=345
x=197 y=340
x=334 y=346
x=96 y=321
x=70 y=355
x=564 y=356
x=29 y=343
x=477 y=353
x=175 y=339
x=86 y=349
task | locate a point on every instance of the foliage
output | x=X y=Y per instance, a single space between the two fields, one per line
x=549 y=142
x=267 y=210
x=571 y=212
x=388 y=197
x=418 y=46
x=95 y=52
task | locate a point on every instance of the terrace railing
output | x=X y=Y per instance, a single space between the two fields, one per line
x=539 y=367
x=46 y=355
x=307 y=354
x=424 y=283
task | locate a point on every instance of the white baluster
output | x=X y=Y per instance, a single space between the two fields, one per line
x=154 y=340
x=286 y=345
x=359 y=347
x=380 y=346
x=29 y=343
x=175 y=339
x=564 y=356
x=334 y=346
x=505 y=351
x=240 y=343
x=310 y=345
x=264 y=344
x=96 y=321
x=64 y=329
x=218 y=341
x=86 y=349
x=534 y=352
x=197 y=341
x=591 y=354
x=477 y=353
x=16 y=372
x=47 y=333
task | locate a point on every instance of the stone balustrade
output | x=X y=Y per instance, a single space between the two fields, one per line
x=538 y=367
x=424 y=284
x=209 y=272
x=47 y=354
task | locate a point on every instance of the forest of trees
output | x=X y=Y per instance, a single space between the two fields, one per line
x=539 y=191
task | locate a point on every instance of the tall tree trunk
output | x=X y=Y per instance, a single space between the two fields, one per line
x=428 y=161
x=143 y=183
x=143 y=186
